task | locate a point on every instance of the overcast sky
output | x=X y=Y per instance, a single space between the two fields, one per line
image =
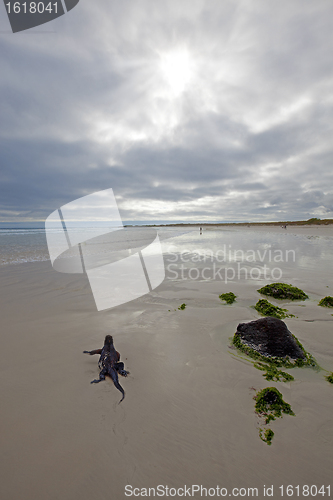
x=188 y=109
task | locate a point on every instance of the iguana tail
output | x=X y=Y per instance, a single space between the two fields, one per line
x=114 y=375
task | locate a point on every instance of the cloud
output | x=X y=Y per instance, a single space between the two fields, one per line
x=239 y=129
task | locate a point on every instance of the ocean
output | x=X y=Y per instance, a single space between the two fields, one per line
x=26 y=241
x=217 y=254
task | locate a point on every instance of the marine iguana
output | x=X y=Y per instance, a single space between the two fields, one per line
x=109 y=364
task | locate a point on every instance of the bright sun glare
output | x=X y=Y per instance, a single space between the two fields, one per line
x=177 y=69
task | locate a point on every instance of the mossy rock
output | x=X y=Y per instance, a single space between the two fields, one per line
x=271 y=345
x=326 y=302
x=270 y=404
x=329 y=378
x=269 y=337
x=283 y=291
x=229 y=297
x=267 y=309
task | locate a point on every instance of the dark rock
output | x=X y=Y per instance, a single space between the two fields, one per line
x=270 y=397
x=270 y=337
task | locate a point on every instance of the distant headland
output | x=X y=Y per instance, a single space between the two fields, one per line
x=313 y=221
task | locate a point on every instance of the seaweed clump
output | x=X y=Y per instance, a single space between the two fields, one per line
x=283 y=291
x=268 y=436
x=229 y=297
x=270 y=404
x=182 y=307
x=270 y=366
x=272 y=372
x=326 y=302
x=329 y=378
x=267 y=309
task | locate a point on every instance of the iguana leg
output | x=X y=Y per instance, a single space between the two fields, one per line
x=96 y=351
x=101 y=377
x=120 y=369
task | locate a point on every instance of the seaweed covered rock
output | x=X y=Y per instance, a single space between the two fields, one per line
x=270 y=404
x=326 y=302
x=270 y=337
x=283 y=291
x=267 y=309
x=229 y=297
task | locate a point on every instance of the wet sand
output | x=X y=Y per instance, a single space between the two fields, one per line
x=188 y=415
x=307 y=230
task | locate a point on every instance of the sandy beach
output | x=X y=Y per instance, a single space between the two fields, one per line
x=188 y=416
x=158 y=160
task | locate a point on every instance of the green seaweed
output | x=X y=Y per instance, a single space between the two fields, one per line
x=270 y=364
x=269 y=434
x=329 y=378
x=275 y=360
x=283 y=291
x=270 y=404
x=326 y=302
x=182 y=307
x=272 y=372
x=229 y=297
x=267 y=309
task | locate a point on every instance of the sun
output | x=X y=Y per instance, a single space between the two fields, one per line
x=177 y=70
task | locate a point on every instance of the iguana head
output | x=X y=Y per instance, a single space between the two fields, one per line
x=108 y=340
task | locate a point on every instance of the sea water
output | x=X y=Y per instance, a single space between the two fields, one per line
x=213 y=253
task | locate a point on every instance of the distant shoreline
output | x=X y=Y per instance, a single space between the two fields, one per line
x=313 y=222
x=309 y=222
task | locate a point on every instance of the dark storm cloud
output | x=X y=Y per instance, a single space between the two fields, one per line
x=247 y=137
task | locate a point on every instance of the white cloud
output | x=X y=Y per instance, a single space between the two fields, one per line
x=187 y=109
